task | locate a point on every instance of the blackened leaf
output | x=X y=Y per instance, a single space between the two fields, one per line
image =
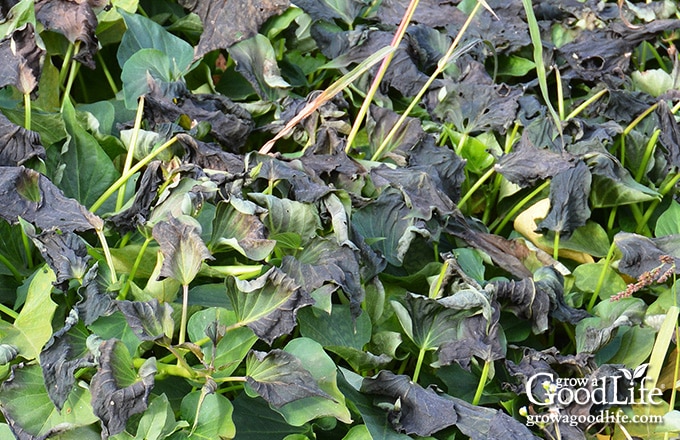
x=21 y=60
x=381 y=121
x=613 y=185
x=256 y=61
x=183 y=249
x=94 y=302
x=267 y=304
x=150 y=321
x=527 y=164
x=386 y=221
x=280 y=378
x=421 y=190
x=323 y=261
x=27 y=194
x=329 y=10
x=433 y=13
x=211 y=155
x=145 y=194
x=17 y=145
x=569 y=192
x=31 y=414
x=480 y=423
x=304 y=185
x=417 y=410
x=118 y=390
x=642 y=254
x=226 y=22
x=426 y=156
x=285 y=215
x=237 y=226
x=670 y=134
x=64 y=353
x=75 y=20
x=65 y=253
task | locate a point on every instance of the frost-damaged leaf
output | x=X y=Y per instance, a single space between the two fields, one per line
x=380 y=122
x=237 y=226
x=538 y=297
x=670 y=135
x=21 y=60
x=65 y=253
x=304 y=185
x=642 y=254
x=329 y=10
x=230 y=124
x=416 y=410
x=31 y=414
x=594 y=333
x=146 y=192
x=210 y=155
x=613 y=185
x=118 y=390
x=93 y=302
x=387 y=220
x=569 y=192
x=323 y=261
x=226 y=22
x=280 y=378
x=527 y=164
x=75 y=20
x=183 y=249
x=433 y=13
x=267 y=304
x=256 y=61
x=17 y=145
x=63 y=354
x=150 y=321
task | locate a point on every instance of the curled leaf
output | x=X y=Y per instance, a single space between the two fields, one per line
x=182 y=248
x=150 y=321
x=18 y=145
x=21 y=60
x=65 y=253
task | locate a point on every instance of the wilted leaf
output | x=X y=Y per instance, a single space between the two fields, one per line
x=256 y=61
x=613 y=185
x=670 y=134
x=151 y=321
x=94 y=302
x=346 y=10
x=280 y=378
x=642 y=254
x=226 y=22
x=417 y=410
x=237 y=226
x=118 y=390
x=304 y=185
x=18 y=145
x=21 y=60
x=183 y=249
x=285 y=215
x=212 y=156
x=594 y=333
x=75 y=20
x=267 y=304
x=63 y=354
x=146 y=192
x=65 y=253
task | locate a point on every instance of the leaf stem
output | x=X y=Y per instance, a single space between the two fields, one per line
x=27 y=111
x=107 y=254
x=419 y=364
x=520 y=205
x=482 y=382
x=73 y=71
x=68 y=56
x=603 y=274
x=107 y=73
x=396 y=40
x=131 y=151
x=585 y=104
x=648 y=154
x=135 y=266
x=122 y=179
x=185 y=307
x=556 y=246
x=476 y=186
x=17 y=275
x=27 y=248
x=9 y=312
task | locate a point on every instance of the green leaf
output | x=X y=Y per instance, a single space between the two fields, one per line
x=267 y=304
x=256 y=61
x=116 y=326
x=286 y=215
x=338 y=328
x=323 y=371
x=25 y=402
x=232 y=346
x=158 y=421
x=140 y=68
x=669 y=221
x=19 y=14
x=586 y=278
x=237 y=226
x=514 y=66
x=143 y=33
x=255 y=420
x=214 y=418
x=595 y=332
x=88 y=169
x=636 y=346
x=590 y=238
x=34 y=323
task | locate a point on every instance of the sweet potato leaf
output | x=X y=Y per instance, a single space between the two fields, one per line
x=22 y=59
x=65 y=253
x=237 y=226
x=18 y=144
x=118 y=389
x=285 y=215
x=183 y=249
x=150 y=321
x=256 y=61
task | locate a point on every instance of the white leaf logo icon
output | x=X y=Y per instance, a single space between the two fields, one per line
x=639 y=372
x=626 y=373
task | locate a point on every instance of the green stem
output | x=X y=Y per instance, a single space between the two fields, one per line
x=650 y=210
x=396 y=40
x=482 y=382
x=585 y=104
x=10 y=266
x=520 y=205
x=168 y=369
x=185 y=309
x=73 y=71
x=560 y=93
x=603 y=275
x=556 y=246
x=107 y=255
x=122 y=179
x=440 y=280
x=135 y=266
x=9 y=312
x=419 y=364
x=107 y=73
x=27 y=248
x=476 y=186
x=66 y=64
x=648 y=154
x=131 y=151
x=27 y=111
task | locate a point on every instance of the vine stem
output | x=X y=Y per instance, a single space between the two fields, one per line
x=476 y=186
x=185 y=307
x=482 y=382
x=131 y=151
x=134 y=268
x=419 y=364
x=603 y=274
x=396 y=40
